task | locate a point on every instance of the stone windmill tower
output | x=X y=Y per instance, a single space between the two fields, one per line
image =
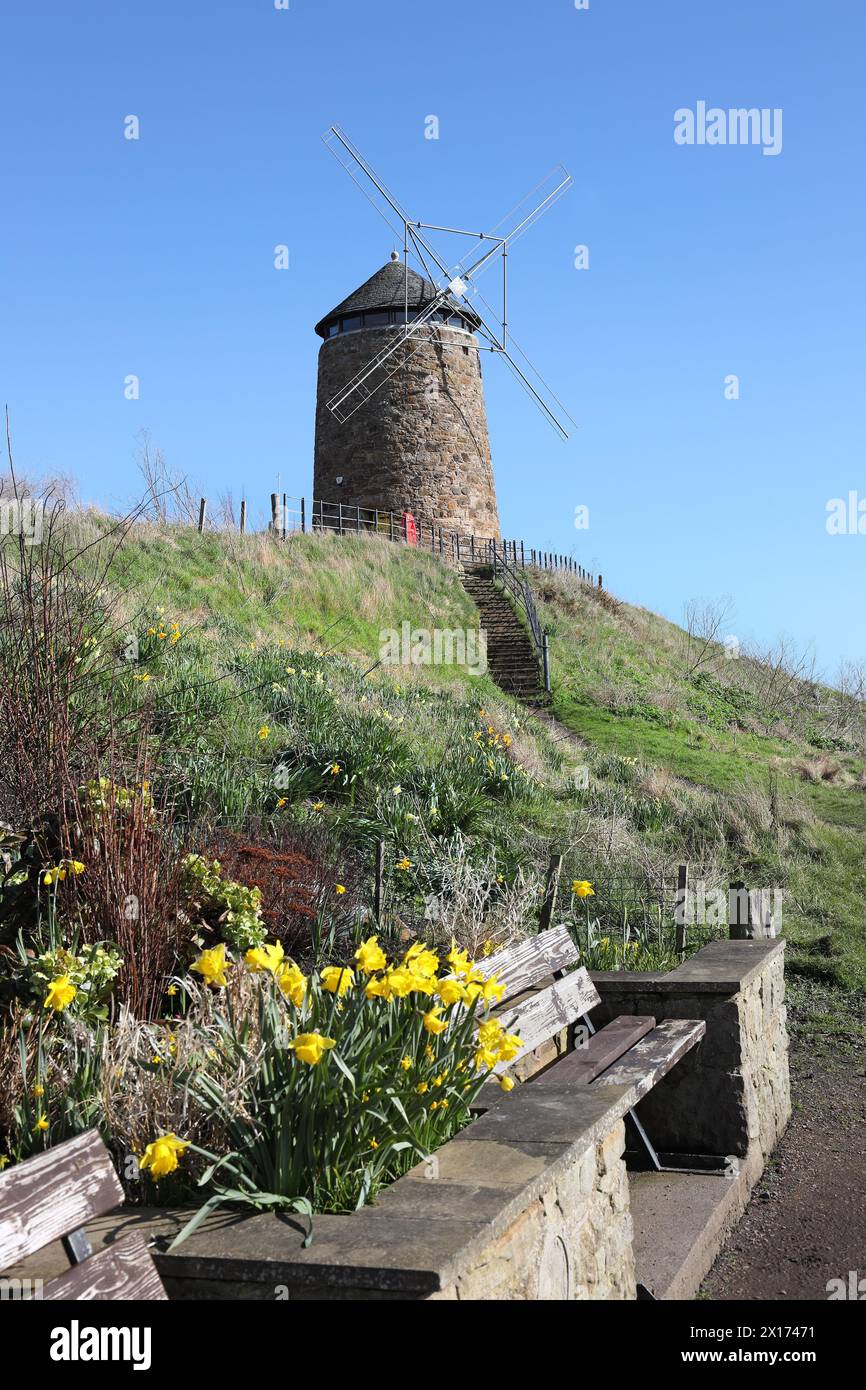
x=420 y=443
x=400 y=418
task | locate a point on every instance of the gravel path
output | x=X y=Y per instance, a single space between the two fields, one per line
x=806 y=1222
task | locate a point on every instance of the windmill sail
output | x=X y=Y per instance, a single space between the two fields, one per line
x=459 y=280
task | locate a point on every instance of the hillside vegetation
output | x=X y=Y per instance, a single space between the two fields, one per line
x=728 y=765
x=221 y=781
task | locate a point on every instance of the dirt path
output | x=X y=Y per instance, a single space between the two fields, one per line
x=806 y=1222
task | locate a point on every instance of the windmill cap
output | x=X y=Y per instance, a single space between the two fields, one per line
x=387 y=290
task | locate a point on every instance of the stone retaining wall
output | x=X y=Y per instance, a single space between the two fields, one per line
x=530 y=1201
x=731 y=1096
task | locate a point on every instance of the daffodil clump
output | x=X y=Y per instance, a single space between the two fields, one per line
x=332 y=1083
x=232 y=907
x=61 y=979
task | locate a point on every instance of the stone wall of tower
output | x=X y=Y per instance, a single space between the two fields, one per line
x=420 y=444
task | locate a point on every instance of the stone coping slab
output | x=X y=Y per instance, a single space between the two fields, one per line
x=722 y=967
x=422 y=1232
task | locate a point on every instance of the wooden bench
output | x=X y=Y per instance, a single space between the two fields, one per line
x=52 y=1197
x=632 y=1050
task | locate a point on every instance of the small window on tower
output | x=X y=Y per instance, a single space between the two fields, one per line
x=349 y=325
x=333 y=329
x=377 y=320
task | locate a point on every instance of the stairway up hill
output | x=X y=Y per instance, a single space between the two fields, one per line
x=511 y=657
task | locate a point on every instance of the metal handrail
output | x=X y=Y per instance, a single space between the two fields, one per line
x=520 y=591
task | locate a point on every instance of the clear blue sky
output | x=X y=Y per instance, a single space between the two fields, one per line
x=155 y=257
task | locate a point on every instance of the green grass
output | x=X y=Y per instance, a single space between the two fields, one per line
x=718 y=777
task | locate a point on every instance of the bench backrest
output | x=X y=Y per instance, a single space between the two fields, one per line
x=543 y=1012
x=51 y=1197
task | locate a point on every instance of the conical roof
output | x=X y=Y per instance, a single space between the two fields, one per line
x=387 y=290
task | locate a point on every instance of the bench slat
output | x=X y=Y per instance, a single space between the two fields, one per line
x=650 y=1059
x=522 y=966
x=545 y=1014
x=604 y=1048
x=54 y=1193
x=122 y=1271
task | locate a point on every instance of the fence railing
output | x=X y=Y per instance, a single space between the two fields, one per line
x=292 y=514
x=521 y=595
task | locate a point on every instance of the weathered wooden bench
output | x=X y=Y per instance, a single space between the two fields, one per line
x=632 y=1050
x=52 y=1197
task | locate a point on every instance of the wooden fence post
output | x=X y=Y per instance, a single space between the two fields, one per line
x=275 y=512
x=551 y=888
x=680 y=908
x=303 y=515
x=243 y=515
x=378 y=890
x=740 y=925
x=202 y=509
x=283 y=527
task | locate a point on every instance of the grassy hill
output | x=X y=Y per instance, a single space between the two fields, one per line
x=724 y=765
x=255 y=671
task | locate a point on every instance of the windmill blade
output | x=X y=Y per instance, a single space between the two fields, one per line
x=536 y=396
x=354 y=163
x=519 y=219
x=524 y=215
x=544 y=397
x=381 y=367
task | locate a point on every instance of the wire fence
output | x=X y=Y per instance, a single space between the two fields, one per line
x=288 y=516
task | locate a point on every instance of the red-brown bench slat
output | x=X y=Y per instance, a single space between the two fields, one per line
x=122 y=1271
x=523 y=965
x=604 y=1048
x=543 y=1015
x=53 y=1194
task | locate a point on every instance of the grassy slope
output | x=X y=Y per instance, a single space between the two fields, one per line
x=701 y=788
x=621 y=681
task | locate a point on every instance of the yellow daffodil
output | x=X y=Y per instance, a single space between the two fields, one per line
x=433 y=1023
x=293 y=983
x=401 y=982
x=212 y=965
x=370 y=956
x=39 y=1090
x=311 y=1047
x=339 y=888
x=318 y=806
x=260 y=958
x=509 y=1046
x=61 y=993
x=458 y=960
x=582 y=888
x=451 y=991
x=404 y=864
x=42 y=1124
x=337 y=979
x=421 y=961
x=171 y=991
x=406 y=1063
x=335 y=769
x=506 y=1084
x=264 y=732
x=163 y=1155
